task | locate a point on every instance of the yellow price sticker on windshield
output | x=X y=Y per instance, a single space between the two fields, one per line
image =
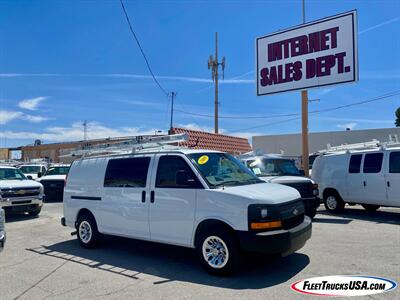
x=202 y=160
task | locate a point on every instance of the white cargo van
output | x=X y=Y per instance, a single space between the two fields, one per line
x=205 y=200
x=368 y=175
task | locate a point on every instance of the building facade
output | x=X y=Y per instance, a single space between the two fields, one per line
x=290 y=144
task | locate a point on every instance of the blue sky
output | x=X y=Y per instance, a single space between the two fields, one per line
x=63 y=62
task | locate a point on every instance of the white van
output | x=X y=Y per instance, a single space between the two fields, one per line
x=193 y=198
x=370 y=177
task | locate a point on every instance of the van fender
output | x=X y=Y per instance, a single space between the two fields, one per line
x=208 y=221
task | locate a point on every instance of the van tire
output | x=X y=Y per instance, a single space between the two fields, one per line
x=224 y=241
x=370 y=207
x=87 y=232
x=333 y=202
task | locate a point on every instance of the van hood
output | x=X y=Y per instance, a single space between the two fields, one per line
x=11 y=184
x=33 y=175
x=284 y=179
x=52 y=177
x=265 y=193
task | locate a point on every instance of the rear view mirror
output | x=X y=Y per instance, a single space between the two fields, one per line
x=39 y=174
x=29 y=177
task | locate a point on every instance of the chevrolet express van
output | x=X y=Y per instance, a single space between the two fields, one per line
x=370 y=177
x=200 y=199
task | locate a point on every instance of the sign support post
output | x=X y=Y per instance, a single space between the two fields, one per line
x=304 y=131
x=304 y=117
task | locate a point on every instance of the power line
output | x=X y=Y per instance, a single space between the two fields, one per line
x=390 y=94
x=315 y=112
x=141 y=49
x=235 y=117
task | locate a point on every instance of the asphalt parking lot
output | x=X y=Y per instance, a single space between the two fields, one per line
x=43 y=261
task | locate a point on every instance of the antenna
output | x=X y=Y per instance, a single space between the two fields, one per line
x=85 y=130
x=214 y=64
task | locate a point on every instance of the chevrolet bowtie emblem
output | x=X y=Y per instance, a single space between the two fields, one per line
x=20 y=192
x=295 y=212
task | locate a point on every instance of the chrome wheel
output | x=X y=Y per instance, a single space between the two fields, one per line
x=331 y=202
x=215 y=252
x=85 y=232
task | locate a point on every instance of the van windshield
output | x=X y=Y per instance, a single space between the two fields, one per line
x=30 y=169
x=57 y=171
x=273 y=167
x=222 y=169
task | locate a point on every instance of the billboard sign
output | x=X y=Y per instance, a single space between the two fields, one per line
x=315 y=54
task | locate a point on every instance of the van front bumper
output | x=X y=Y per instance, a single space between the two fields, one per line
x=282 y=242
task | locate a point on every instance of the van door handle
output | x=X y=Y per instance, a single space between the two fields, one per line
x=365 y=183
x=152 y=196
x=143 y=196
x=388 y=183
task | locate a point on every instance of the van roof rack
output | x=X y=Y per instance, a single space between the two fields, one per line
x=130 y=146
x=362 y=146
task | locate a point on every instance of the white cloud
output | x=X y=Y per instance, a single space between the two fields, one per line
x=350 y=125
x=7 y=116
x=31 y=104
x=34 y=119
x=75 y=133
x=194 y=126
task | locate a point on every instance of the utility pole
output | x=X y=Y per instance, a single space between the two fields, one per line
x=173 y=95
x=213 y=64
x=304 y=117
x=84 y=130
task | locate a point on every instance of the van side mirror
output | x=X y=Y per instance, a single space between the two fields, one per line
x=29 y=177
x=39 y=174
x=183 y=178
x=302 y=173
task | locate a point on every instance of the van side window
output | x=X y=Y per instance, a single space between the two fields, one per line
x=373 y=163
x=127 y=172
x=355 y=163
x=170 y=168
x=394 y=162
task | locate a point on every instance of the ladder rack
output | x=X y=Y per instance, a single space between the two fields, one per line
x=133 y=145
x=374 y=144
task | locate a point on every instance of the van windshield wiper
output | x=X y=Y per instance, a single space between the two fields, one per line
x=229 y=182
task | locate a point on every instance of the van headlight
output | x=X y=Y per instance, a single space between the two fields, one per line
x=263 y=217
x=264 y=212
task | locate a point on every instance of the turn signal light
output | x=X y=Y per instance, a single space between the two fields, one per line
x=266 y=225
